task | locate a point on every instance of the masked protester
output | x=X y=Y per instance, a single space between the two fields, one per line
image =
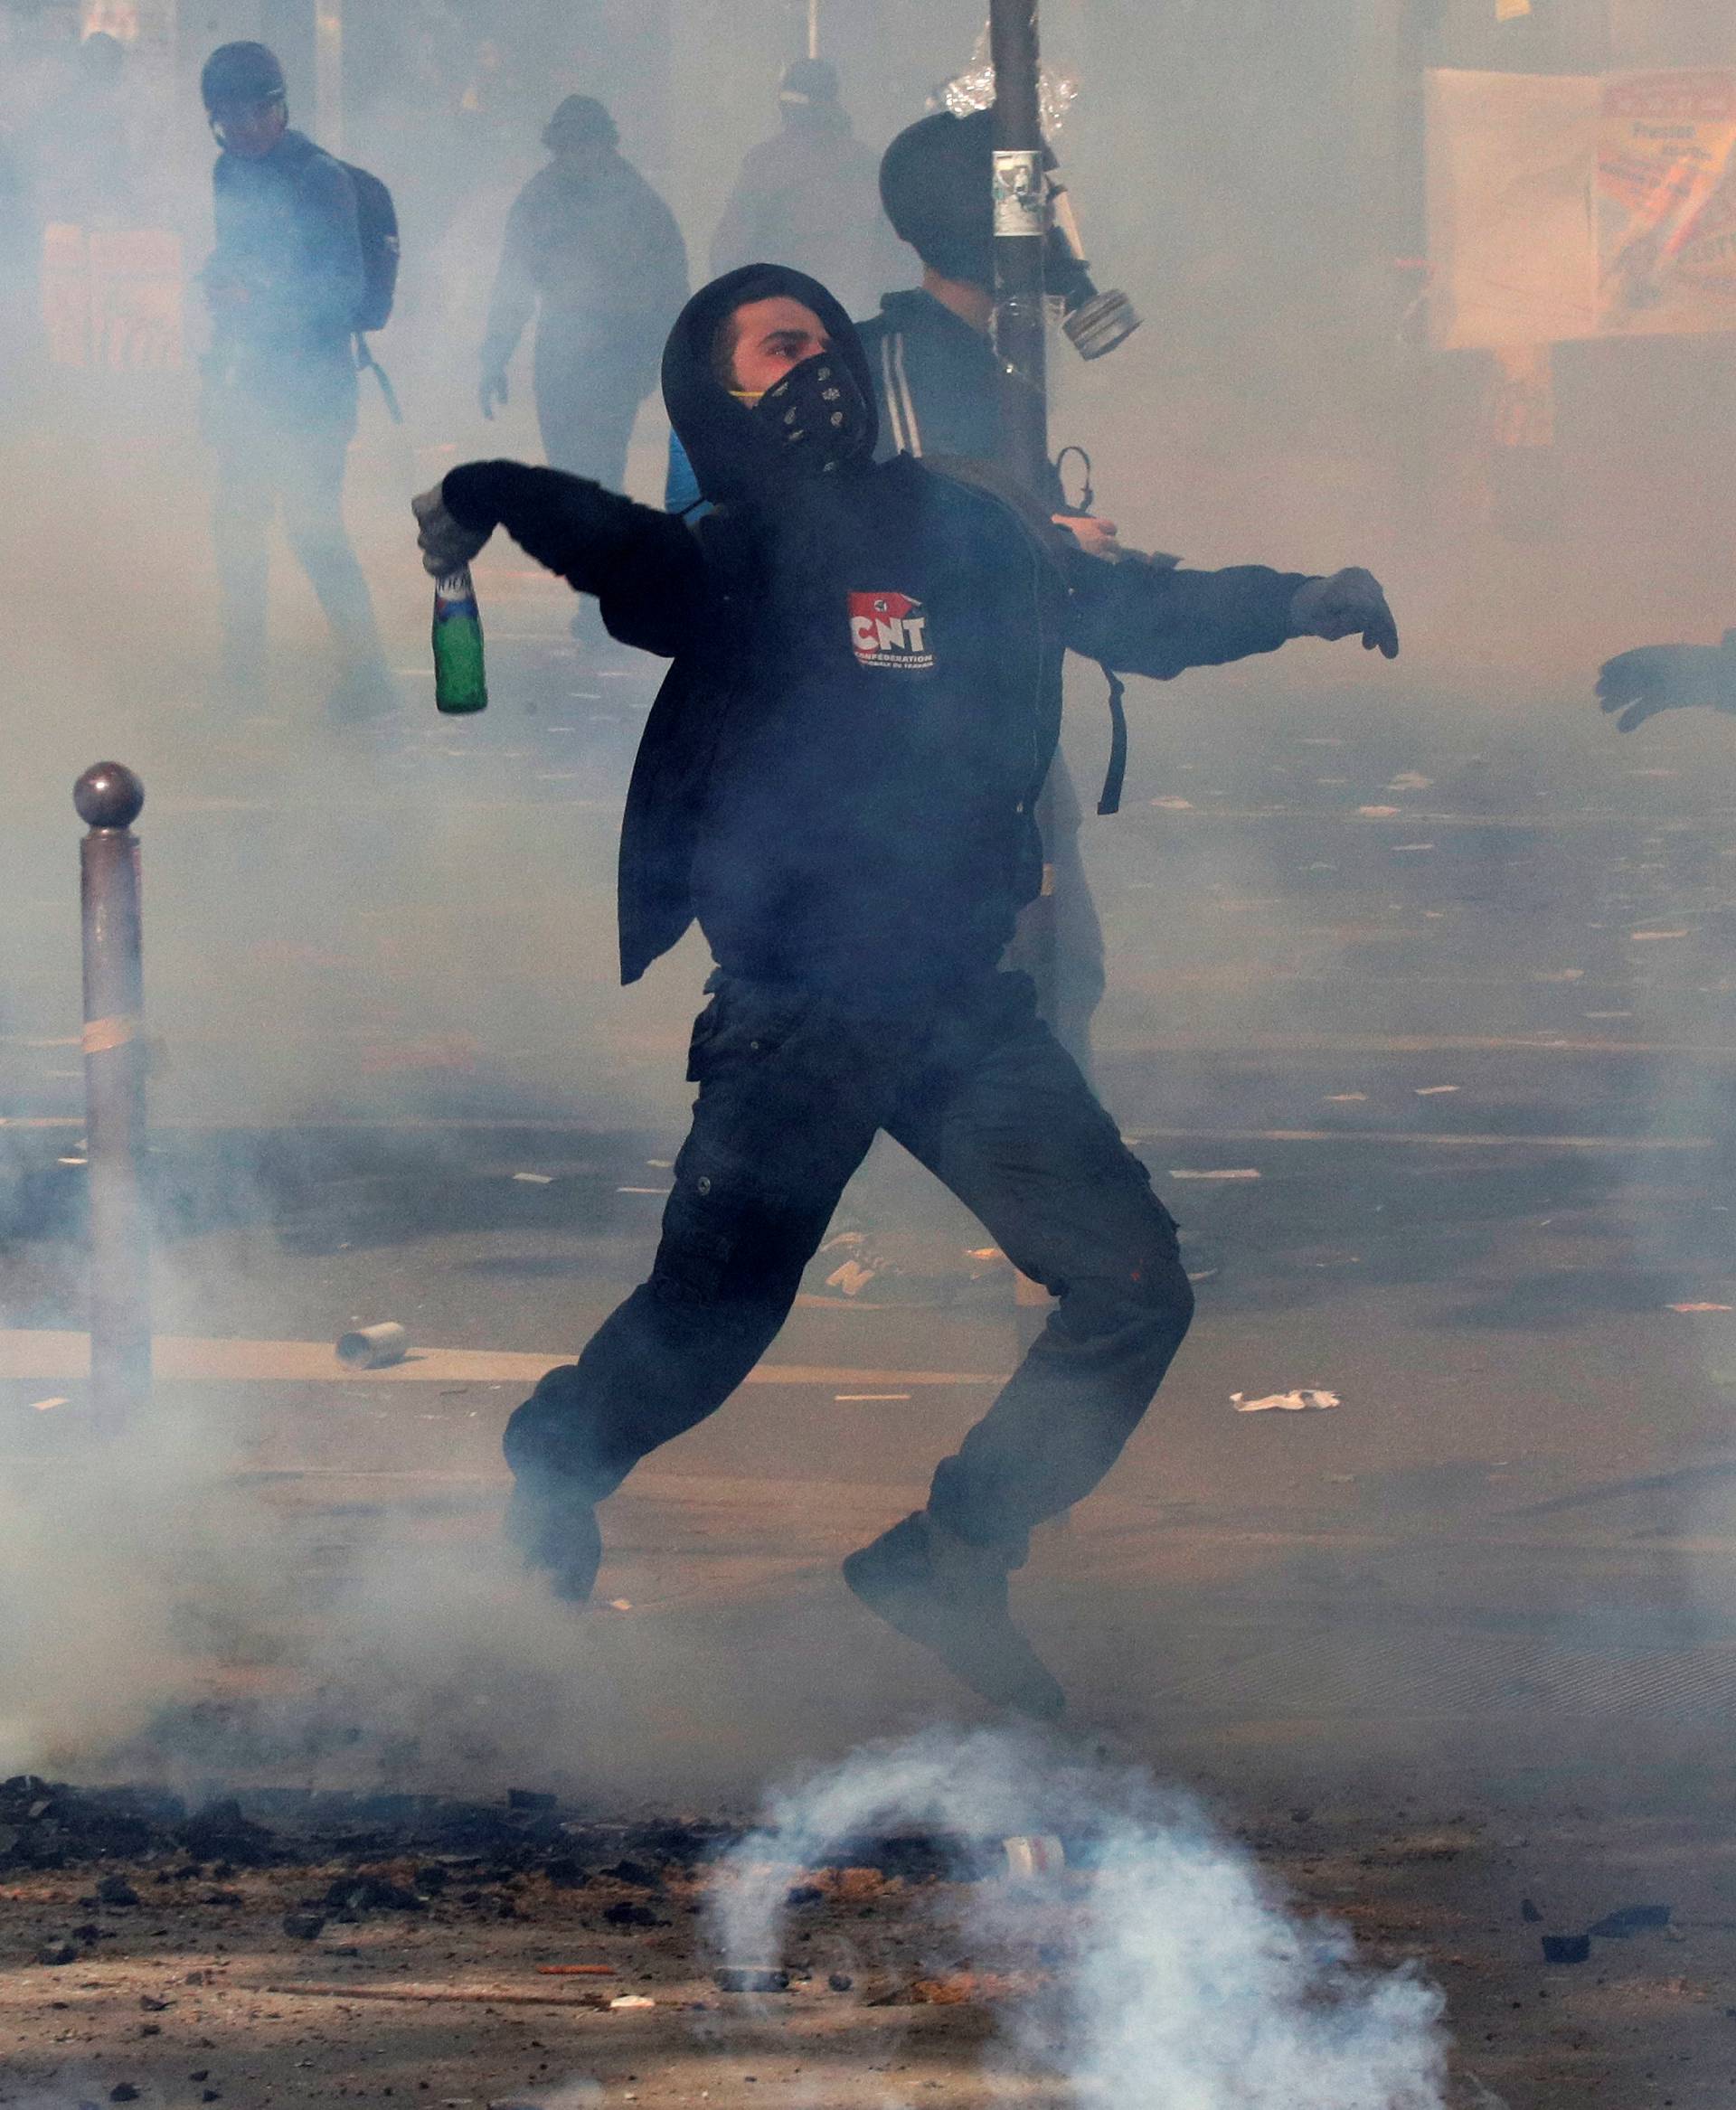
x=285 y=285
x=839 y=780
x=593 y=251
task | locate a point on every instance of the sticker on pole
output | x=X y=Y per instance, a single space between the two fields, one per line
x=1019 y=193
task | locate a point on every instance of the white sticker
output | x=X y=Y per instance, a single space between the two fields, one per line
x=1019 y=193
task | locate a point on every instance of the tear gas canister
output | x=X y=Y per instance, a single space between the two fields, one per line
x=459 y=683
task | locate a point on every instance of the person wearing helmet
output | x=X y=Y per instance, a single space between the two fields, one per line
x=938 y=390
x=285 y=285
x=593 y=252
x=838 y=782
x=806 y=197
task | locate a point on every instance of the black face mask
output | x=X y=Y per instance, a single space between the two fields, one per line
x=818 y=416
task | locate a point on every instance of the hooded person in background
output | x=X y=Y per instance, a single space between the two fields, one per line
x=595 y=254
x=285 y=285
x=809 y=198
x=839 y=780
x=937 y=385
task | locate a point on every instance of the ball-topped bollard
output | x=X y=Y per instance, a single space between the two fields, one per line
x=109 y=795
x=109 y=798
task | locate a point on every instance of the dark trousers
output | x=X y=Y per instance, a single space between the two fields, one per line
x=263 y=472
x=586 y=415
x=793 y=1089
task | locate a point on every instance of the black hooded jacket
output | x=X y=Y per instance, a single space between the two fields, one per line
x=840 y=773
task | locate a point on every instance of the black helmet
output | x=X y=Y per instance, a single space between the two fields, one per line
x=807 y=81
x=935 y=181
x=241 y=73
x=580 y=121
x=102 y=57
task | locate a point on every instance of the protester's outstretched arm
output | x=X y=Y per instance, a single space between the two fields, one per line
x=642 y=566
x=1668 y=677
x=1147 y=618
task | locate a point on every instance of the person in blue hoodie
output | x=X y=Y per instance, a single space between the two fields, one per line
x=285 y=285
x=839 y=780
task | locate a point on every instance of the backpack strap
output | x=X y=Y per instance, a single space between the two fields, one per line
x=1110 y=799
x=366 y=362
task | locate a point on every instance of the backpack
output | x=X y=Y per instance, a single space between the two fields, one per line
x=376 y=222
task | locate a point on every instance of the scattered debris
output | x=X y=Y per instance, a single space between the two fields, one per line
x=1631 y=1919
x=1640 y=937
x=1378 y=813
x=373 y=1347
x=1434 y=1091
x=1699 y=1307
x=1172 y=804
x=303 y=1927
x=841 y=1981
x=1194 y=1172
x=530 y=1798
x=804 y=1894
x=624 y=1913
x=116 y=1890
x=62 y=1952
x=751 y=1978
x=1528 y=1912
x=1297 y=1402
x=1566 y=1948
x=45 y=1405
x=1033 y=1853
x=1345 y=1099
x=438 y=1996
x=577 y=1970
x=632 y=2001
x=534 y=1179
x=1411 y=780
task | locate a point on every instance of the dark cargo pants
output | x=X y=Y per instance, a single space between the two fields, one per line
x=793 y=1088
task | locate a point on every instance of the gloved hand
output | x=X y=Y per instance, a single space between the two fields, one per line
x=447 y=545
x=1351 y=600
x=1668 y=677
x=493 y=390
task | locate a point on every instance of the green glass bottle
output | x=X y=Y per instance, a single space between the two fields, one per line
x=459 y=683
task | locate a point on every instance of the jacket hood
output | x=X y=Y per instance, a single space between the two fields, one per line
x=735 y=458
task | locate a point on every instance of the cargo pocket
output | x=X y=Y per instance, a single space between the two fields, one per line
x=743 y=1023
x=701 y=1232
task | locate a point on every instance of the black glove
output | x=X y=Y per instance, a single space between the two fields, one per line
x=1349 y=602
x=1668 y=677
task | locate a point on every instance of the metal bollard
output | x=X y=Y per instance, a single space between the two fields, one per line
x=108 y=799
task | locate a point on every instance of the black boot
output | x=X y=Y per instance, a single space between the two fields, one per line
x=555 y=1527
x=951 y=1595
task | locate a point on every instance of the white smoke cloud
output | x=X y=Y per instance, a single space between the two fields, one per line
x=1178 y=1976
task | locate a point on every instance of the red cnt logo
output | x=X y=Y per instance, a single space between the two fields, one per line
x=890 y=630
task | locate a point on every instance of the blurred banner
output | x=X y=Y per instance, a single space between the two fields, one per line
x=1511 y=243
x=113 y=298
x=1565 y=206
x=1667 y=202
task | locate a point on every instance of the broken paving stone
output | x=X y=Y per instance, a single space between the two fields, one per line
x=152 y=2005
x=58 y=1952
x=565 y=1872
x=634 y=1872
x=372 y=1894
x=303 y=1927
x=116 y=1890
x=123 y=2092
x=804 y=1894
x=1631 y=1919
x=840 y=1981
x=1566 y=1948
x=751 y=1978
x=632 y=2001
